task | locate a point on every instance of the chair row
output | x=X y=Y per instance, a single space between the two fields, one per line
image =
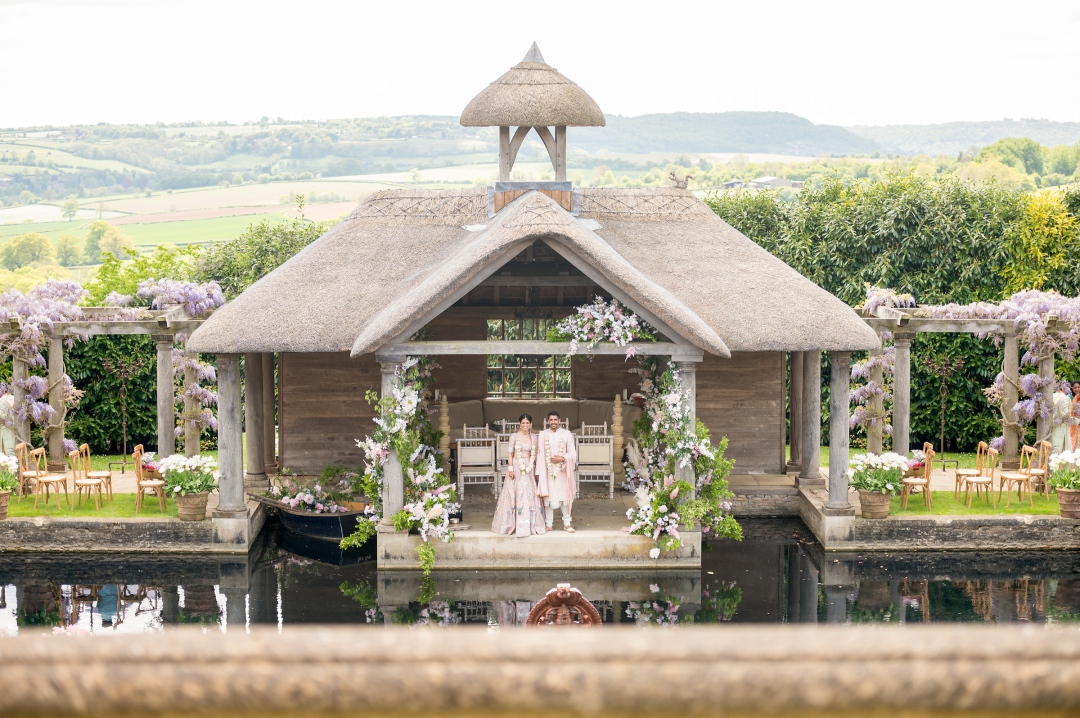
x=483 y=458
x=1030 y=477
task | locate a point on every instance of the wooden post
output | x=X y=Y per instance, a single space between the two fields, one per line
x=839 y=413
x=875 y=408
x=444 y=428
x=795 y=391
x=617 y=439
x=255 y=471
x=504 y=153
x=269 y=412
x=20 y=373
x=166 y=397
x=560 y=153
x=230 y=439
x=1010 y=458
x=56 y=401
x=191 y=409
x=810 y=444
x=901 y=421
x=1044 y=426
x=393 y=498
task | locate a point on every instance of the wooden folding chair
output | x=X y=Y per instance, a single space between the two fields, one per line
x=1039 y=471
x=921 y=481
x=28 y=470
x=89 y=472
x=47 y=482
x=964 y=474
x=144 y=483
x=1021 y=479
x=985 y=481
x=82 y=482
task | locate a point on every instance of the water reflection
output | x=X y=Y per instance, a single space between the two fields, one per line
x=776 y=575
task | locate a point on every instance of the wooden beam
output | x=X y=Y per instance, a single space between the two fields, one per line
x=560 y=152
x=497 y=280
x=480 y=347
x=515 y=143
x=504 y=153
x=926 y=325
x=549 y=142
x=123 y=327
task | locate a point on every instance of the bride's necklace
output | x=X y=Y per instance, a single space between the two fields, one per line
x=526 y=466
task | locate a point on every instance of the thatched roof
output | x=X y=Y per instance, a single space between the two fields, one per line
x=403 y=252
x=532 y=94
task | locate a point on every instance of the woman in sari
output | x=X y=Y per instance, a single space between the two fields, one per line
x=519 y=512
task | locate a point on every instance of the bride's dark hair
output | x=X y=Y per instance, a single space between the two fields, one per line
x=525 y=416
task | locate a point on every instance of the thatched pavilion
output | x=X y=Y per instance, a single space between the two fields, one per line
x=342 y=314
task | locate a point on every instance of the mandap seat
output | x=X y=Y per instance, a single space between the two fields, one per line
x=596 y=460
x=476 y=460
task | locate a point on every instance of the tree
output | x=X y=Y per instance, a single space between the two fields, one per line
x=116 y=243
x=92 y=248
x=1019 y=152
x=123 y=277
x=69 y=209
x=68 y=250
x=26 y=249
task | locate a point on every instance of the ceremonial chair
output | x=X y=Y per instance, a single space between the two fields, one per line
x=82 y=482
x=28 y=470
x=596 y=461
x=105 y=476
x=921 y=481
x=47 y=482
x=963 y=474
x=476 y=460
x=1039 y=471
x=985 y=481
x=144 y=483
x=1020 y=479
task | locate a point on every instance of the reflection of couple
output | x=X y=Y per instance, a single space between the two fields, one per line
x=540 y=470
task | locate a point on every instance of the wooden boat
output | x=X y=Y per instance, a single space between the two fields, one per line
x=331 y=527
x=321 y=550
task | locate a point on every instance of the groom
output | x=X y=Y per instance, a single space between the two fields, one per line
x=555 y=466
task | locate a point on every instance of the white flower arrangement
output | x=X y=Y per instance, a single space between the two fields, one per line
x=1065 y=470
x=9 y=473
x=189 y=474
x=877 y=472
x=601 y=321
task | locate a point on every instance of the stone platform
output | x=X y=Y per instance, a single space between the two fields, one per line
x=599 y=540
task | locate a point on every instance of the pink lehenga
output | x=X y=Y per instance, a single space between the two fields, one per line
x=519 y=511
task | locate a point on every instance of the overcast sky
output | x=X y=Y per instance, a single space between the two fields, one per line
x=833 y=62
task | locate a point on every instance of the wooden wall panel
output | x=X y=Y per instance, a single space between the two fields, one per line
x=742 y=398
x=603 y=377
x=323 y=410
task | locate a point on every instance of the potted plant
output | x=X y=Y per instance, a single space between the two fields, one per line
x=9 y=481
x=876 y=477
x=189 y=479
x=1065 y=478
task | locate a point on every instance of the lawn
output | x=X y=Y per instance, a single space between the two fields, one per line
x=121 y=507
x=945 y=505
x=967 y=460
x=182 y=232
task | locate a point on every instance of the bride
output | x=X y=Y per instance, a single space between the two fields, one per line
x=519 y=512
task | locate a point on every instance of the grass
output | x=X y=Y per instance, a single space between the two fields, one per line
x=121 y=507
x=945 y=505
x=191 y=231
x=967 y=460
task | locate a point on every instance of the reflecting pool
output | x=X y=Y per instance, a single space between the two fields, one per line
x=778 y=574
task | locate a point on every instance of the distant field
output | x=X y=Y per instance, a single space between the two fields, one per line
x=196 y=231
x=47 y=213
x=44 y=149
x=270 y=194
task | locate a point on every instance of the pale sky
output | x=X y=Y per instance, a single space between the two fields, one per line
x=831 y=61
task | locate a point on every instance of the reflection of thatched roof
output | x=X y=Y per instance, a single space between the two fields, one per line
x=532 y=94
x=403 y=252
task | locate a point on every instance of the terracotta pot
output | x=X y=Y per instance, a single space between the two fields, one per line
x=875 y=505
x=5 y=497
x=191 y=507
x=1069 y=502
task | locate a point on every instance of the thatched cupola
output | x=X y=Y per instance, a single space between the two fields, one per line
x=533 y=95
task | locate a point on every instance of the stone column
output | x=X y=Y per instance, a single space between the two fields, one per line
x=839 y=413
x=1043 y=427
x=393 y=498
x=269 y=412
x=795 y=393
x=230 y=439
x=901 y=420
x=810 y=442
x=56 y=401
x=192 y=432
x=166 y=397
x=1010 y=457
x=20 y=372
x=255 y=471
x=875 y=406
